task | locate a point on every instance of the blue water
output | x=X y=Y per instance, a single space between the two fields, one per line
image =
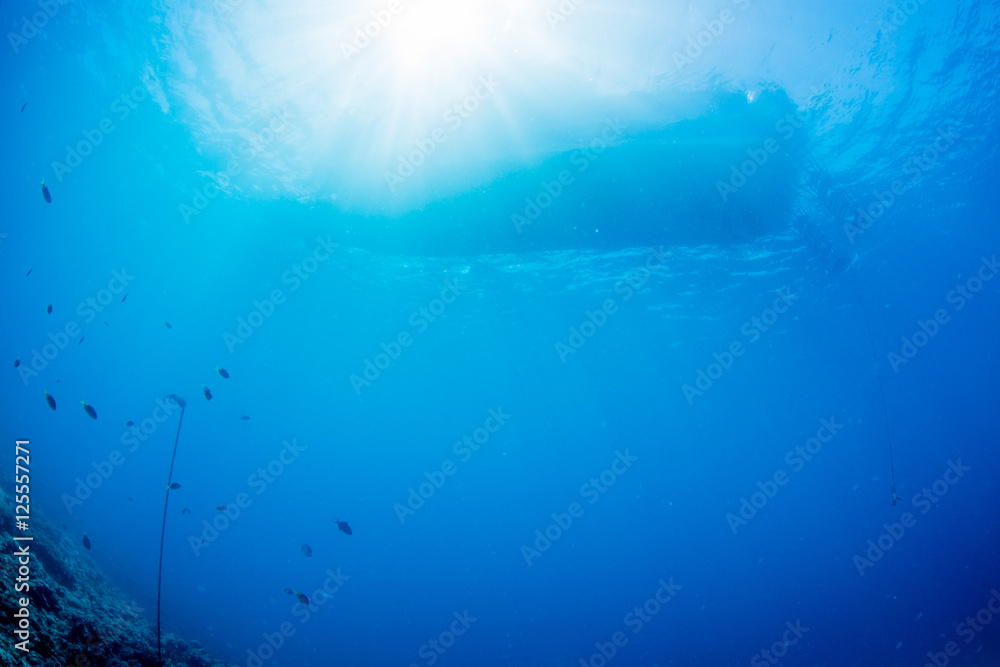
x=243 y=189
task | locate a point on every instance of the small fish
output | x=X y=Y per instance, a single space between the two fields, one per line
x=130 y=423
x=174 y=486
x=90 y=410
x=167 y=324
x=22 y=107
x=186 y=510
x=106 y=323
x=208 y=393
x=130 y=498
x=51 y=401
x=223 y=372
x=81 y=339
x=288 y=590
x=221 y=508
x=45 y=194
x=302 y=598
x=342 y=525
x=307 y=550
x=124 y=297
x=49 y=309
x=86 y=542
x=244 y=418
x=17 y=362
x=29 y=272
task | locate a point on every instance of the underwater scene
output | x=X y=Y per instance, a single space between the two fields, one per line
x=570 y=333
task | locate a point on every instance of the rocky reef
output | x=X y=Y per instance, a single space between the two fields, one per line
x=77 y=616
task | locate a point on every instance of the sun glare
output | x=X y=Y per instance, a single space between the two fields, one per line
x=434 y=42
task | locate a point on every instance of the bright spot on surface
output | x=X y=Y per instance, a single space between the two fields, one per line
x=333 y=98
x=436 y=33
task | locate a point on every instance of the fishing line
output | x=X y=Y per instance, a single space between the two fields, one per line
x=163 y=529
x=881 y=387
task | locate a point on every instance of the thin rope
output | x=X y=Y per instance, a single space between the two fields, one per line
x=881 y=387
x=163 y=530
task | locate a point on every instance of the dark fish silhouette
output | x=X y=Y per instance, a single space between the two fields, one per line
x=208 y=393
x=167 y=324
x=17 y=362
x=307 y=550
x=186 y=510
x=106 y=323
x=29 y=272
x=221 y=508
x=244 y=418
x=130 y=423
x=223 y=372
x=45 y=194
x=302 y=598
x=49 y=309
x=81 y=339
x=344 y=528
x=22 y=107
x=51 y=401
x=124 y=297
x=174 y=486
x=86 y=542
x=90 y=410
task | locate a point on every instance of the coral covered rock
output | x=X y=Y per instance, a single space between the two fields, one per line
x=77 y=616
